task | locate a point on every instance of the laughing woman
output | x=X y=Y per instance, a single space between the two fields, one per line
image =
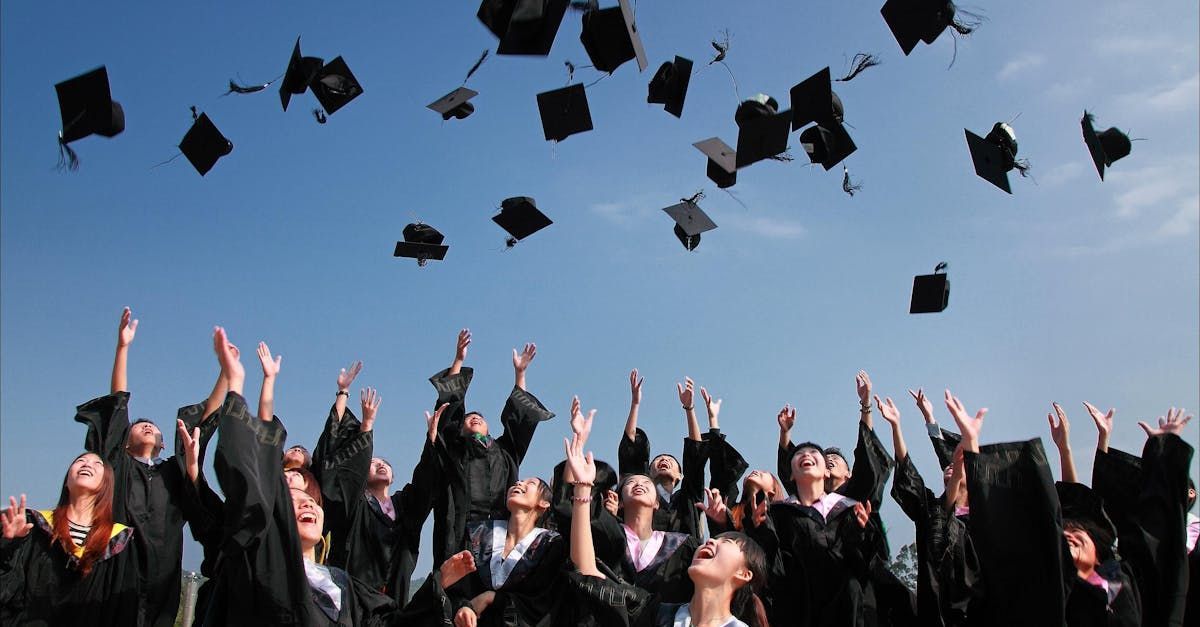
x=726 y=572
x=69 y=565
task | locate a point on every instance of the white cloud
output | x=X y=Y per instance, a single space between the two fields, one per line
x=1182 y=96
x=1019 y=65
x=1133 y=45
x=1063 y=173
x=1150 y=187
x=764 y=226
x=1184 y=220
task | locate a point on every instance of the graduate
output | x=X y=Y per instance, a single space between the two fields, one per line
x=676 y=510
x=151 y=494
x=477 y=469
x=947 y=569
x=726 y=573
x=70 y=565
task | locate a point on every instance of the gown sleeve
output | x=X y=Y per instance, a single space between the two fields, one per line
x=1157 y=545
x=609 y=603
x=871 y=470
x=248 y=470
x=691 y=488
x=343 y=480
x=452 y=389
x=943 y=446
x=521 y=415
x=333 y=437
x=633 y=456
x=725 y=465
x=1016 y=529
x=783 y=467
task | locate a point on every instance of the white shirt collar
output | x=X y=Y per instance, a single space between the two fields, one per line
x=503 y=566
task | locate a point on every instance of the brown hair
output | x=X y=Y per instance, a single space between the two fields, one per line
x=310 y=483
x=746 y=604
x=102 y=523
x=739 y=511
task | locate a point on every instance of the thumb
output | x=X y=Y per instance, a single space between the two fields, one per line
x=1145 y=427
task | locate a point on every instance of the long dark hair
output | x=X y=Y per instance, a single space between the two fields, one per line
x=746 y=604
x=746 y=503
x=102 y=523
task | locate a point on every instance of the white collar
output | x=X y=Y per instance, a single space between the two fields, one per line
x=503 y=566
x=683 y=618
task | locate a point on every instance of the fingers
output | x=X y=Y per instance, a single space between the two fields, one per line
x=704 y=395
x=1145 y=427
x=575 y=407
x=1062 y=415
x=980 y=414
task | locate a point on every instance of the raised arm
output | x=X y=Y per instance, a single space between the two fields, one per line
x=687 y=398
x=344 y=380
x=1060 y=432
x=944 y=442
x=460 y=352
x=968 y=426
x=862 y=383
x=270 y=368
x=521 y=363
x=190 y=443
x=215 y=397
x=583 y=469
x=892 y=416
x=635 y=399
x=783 y=454
x=125 y=333
x=523 y=411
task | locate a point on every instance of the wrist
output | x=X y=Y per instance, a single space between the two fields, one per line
x=342 y=392
x=689 y=408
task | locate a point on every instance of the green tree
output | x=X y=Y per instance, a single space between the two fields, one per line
x=905 y=565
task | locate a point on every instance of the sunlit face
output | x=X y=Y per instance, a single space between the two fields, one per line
x=838 y=469
x=809 y=462
x=381 y=472
x=526 y=495
x=1083 y=550
x=144 y=434
x=665 y=466
x=719 y=560
x=295 y=480
x=474 y=424
x=86 y=474
x=638 y=490
x=760 y=480
x=295 y=457
x=310 y=518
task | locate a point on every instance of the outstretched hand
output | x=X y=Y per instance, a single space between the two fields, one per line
x=369 y=400
x=270 y=366
x=786 y=418
x=969 y=427
x=460 y=350
x=346 y=377
x=713 y=506
x=582 y=467
x=13 y=523
x=1060 y=429
x=229 y=358
x=127 y=329
x=456 y=567
x=923 y=404
x=687 y=393
x=191 y=449
x=522 y=360
x=888 y=410
x=712 y=405
x=862 y=382
x=862 y=513
x=1104 y=422
x=580 y=426
x=431 y=422
x=1174 y=422
x=635 y=387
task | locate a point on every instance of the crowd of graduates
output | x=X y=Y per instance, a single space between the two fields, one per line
x=318 y=537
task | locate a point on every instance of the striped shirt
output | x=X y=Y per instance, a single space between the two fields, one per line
x=79 y=533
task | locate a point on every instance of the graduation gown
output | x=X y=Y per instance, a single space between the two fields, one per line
x=475 y=474
x=39 y=583
x=156 y=499
x=1146 y=499
x=611 y=603
x=377 y=550
x=947 y=568
x=260 y=577
x=725 y=466
x=1016 y=530
x=678 y=513
x=529 y=594
x=666 y=573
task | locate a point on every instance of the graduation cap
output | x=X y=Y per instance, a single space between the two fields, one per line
x=931 y=292
x=300 y=72
x=670 y=84
x=1106 y=146
x=335 y=86
x=813 y=100
x=722 y=161
x=525 y=27
x=995 y=155
x=204 y=144
x=564 y=112
x=421 y=242
x=455 y=104
x=520 y=217
x=610 y=37
x=87 y=108
x=827 y=145
x=914 y=21
x=690 y=221
x=762 y=131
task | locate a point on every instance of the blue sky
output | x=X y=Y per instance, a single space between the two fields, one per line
x=1070 y=289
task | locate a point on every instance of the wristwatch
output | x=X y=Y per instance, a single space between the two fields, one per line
x=342 y=393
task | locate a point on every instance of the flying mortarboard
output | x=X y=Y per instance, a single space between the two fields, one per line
x=564 y=112
x=995 y=155
x=335 y=86
x=610 y=37
x=421 y=242
x=204 y=144
x=520 y=217
x=827 y=146
x=931 y=292
x=913 y=21
x=455 y=104
x=762 y=132
x=525 y=27
x=670 y=84
x=813 y=100
x=87 y=108
x=722 y=161
x=690 y=222
x=300 y=72
x=1106 y=146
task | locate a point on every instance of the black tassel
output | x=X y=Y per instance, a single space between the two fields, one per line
x=860 y=62
x=583 y=6
x=234 y=88
x=67 y=159
x=319 y=115
x=721 y=46
x=695 y=197
x=965 y=22
x=783 y=156
x=941 y=267
x=570 y=71
x=195 y=116
x=509 y=242
x=483 y=57
x=1022 y=166
x=849 y=186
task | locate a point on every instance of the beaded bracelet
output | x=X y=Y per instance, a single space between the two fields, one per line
x=582 y=499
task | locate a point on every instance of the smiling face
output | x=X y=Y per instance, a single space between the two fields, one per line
x=310 y=518
x=381 y=472
x=296 y=457
x=838 y=469
x=1083 y=550
x=474 y=424
x=528 y=495
x=638 y=491
x=719 y=560
x=809 y=463
x=764 y=482
x=86 y=475
x=144 y=435
x=664 y=468
x=295 y=480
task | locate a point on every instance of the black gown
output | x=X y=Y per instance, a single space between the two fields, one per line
x=532 y=590
x=155 y=499
x=476 y=473
x=259 y=577
x=608 y=603
x=1112 y=600
x=39 y=583
x=947 y=568
x=666 y=573
x=679 y=513
x=1146 y=499
x=377 y=550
